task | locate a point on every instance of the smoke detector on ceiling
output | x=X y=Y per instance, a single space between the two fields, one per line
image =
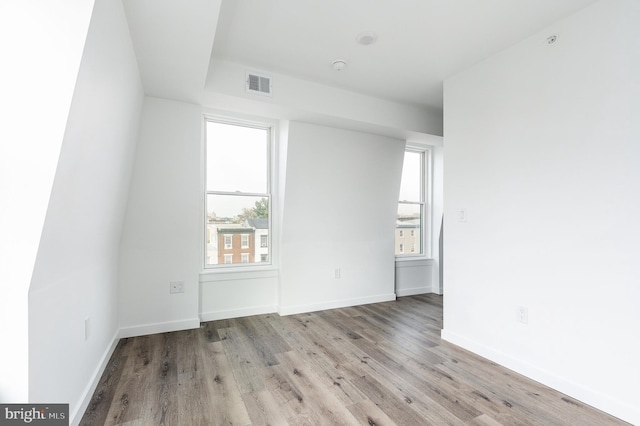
x=367 y=38
x=339 y=64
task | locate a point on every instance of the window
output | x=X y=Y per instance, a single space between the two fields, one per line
x=264 y=258
x=244 y=258
x=228 y=259
x=238 y=187
x=411 y=206
x=264 y=241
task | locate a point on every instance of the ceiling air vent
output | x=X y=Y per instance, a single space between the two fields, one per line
x=260 y=84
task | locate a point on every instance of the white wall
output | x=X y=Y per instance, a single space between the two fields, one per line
x=76 y=271
x=302 y=100
x=542 y=150
x=437 y=206
x=161 y=238
x=41 y=43
x=415 y=276
x=339 y=211
x=238 y=294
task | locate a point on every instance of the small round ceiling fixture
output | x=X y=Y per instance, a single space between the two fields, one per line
x=339 y=64
x=367 y=38
x=552 y=38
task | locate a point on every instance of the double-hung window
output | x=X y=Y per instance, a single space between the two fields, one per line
x=238 y=192
x=410 y=222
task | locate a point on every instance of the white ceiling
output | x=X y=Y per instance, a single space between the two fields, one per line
x=420 y=42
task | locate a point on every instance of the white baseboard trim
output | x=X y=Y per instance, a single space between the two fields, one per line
x=299 y=309
x=77 y=414
x=237 y=313
x=411 y=291
x=586 y=395
x=160 y=327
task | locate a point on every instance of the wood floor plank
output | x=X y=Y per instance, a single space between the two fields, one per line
x=227 y=406
x=396 y=408
x=367 y=412
x=263 y=409
x=432 y=410
x=243 y=359
x=100 y=404
x=258 y=343
x=378 y=364
x=324 y=403
x=289 y=398
x=321 y=355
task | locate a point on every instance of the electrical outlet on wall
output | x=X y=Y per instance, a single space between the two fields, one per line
x=176 y=287
x=522 y=315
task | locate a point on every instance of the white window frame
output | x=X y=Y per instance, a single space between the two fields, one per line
x=228 y=257
x=425 y=203
x=242 y=240
x=244 y=256
x=230 y=245
x=272 y=154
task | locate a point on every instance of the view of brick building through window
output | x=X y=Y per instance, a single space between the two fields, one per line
x=237 y=193
x=239 y=239
x=411 y=205
x=408 y=239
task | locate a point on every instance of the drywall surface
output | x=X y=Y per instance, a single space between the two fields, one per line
x=41 y=43
x=161 y=238
x=237 y=294
x=437 y=205
x=76 y=272
x=341 y=191
x=302 y=100
x=541 y=154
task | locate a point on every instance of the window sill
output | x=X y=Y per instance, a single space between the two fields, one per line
x=238 y=273
x=414 y=260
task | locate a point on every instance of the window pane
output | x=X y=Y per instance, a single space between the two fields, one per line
x=237 y=225
x=237 y=158
x=408 y=229
x=411 y=183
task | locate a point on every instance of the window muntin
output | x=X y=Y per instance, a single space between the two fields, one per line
x=237 y=182
x=411 y=206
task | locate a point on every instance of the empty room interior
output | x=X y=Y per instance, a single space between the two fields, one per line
x=437 y=185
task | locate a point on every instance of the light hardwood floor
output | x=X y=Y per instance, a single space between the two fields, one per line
x=380 y=364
